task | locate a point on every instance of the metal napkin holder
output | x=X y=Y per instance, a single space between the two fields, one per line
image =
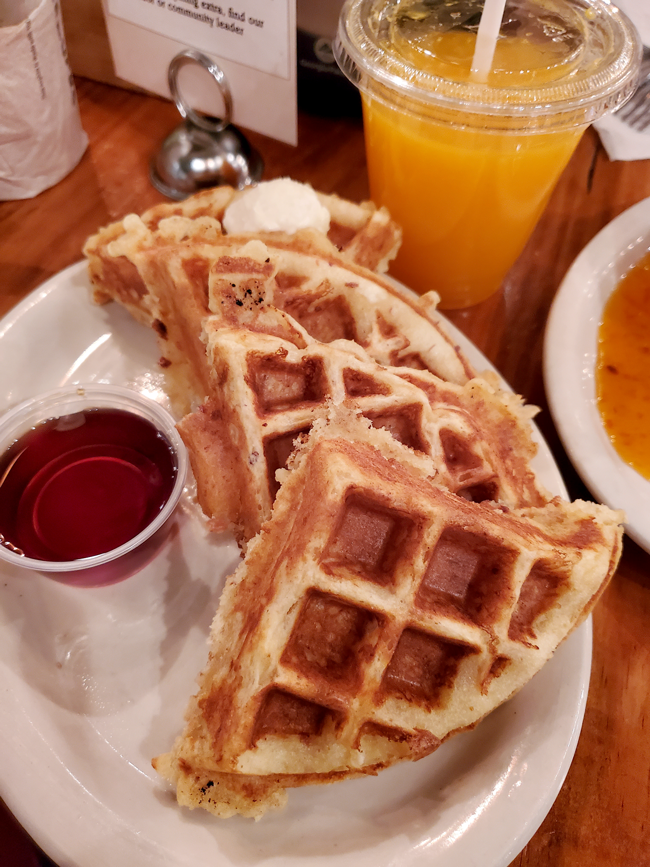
x=202 y=151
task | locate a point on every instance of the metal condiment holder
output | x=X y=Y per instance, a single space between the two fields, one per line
x=202 y=151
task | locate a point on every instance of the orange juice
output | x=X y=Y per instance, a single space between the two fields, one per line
x=467 y=200
x=464 y=159
x=467 y=196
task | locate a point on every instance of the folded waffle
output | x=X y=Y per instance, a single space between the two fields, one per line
x=361 y=233
x=326 y=299
x=165 y=270
x=267 y=392
x=375 y=615
x=288 y=287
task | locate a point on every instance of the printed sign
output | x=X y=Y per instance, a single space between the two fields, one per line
x=252 y=32
x=252 y=41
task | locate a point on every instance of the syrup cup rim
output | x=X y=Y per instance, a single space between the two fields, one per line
x=21 y=418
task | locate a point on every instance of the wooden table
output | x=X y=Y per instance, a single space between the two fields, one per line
x=602 y=815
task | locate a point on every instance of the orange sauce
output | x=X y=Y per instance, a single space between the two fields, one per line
x=623 y=367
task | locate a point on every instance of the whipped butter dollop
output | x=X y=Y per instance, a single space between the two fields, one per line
x=281 y=205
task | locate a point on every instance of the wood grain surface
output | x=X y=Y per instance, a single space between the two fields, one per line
x=602 y=815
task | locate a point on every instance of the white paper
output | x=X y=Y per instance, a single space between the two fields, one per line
x=639 y=12
x=254 y=33
x=41 y=137
x=619 y=140
x=259 y=62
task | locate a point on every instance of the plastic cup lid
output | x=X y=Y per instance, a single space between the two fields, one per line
x=591 y=54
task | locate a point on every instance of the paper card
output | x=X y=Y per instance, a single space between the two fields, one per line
x=254 y=33
x=254 y=43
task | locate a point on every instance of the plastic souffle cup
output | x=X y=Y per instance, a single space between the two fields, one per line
x=467 y=166
x=90 y=478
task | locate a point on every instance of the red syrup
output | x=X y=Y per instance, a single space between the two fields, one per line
x=84 y=484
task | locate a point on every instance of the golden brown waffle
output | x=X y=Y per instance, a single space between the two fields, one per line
x=375 y=615
x=158 y=266
x=267 y=392
x=330 y=299
x=359 y=232
x=288 y=287
x=161 y=267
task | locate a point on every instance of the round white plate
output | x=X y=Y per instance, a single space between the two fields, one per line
x=570 y=354
x=94 y=682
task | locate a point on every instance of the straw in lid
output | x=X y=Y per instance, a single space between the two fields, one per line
x=589 y=52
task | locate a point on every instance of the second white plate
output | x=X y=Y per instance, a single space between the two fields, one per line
x=570 y=354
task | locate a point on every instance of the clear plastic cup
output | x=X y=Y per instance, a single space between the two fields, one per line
x=62 y=481
x=467 y=166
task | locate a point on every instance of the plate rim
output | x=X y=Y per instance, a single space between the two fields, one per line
x=582 y=640
x=569 y=358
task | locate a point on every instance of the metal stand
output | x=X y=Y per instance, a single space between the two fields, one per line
x=203 y=151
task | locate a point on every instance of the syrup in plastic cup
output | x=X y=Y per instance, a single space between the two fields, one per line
x=89 y=479
x=466 y=166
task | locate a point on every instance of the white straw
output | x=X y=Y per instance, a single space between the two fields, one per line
x=486 y=39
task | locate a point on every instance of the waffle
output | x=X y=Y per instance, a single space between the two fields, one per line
x=375 y=615
x=162 y=266
x=330 y=299
x=360 y=233
x=290 y=287
x=267 y=392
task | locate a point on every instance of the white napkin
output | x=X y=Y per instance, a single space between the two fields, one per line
x=619 y=140
x=41 y=138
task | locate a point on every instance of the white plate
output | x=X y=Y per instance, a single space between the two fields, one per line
x=95 y=682
x=570 y=354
